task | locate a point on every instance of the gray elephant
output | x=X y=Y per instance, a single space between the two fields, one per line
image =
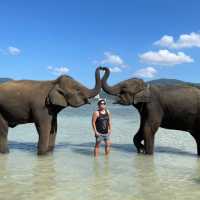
x=172 y=107
x=39 y=102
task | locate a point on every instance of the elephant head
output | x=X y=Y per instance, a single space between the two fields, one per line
x=68 y=92
x=129 y=92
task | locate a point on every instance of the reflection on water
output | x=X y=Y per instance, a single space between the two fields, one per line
x=72 y=172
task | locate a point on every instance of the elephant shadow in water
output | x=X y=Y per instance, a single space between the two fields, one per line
x=31 y=146
x=25 y=146
x=87 y=148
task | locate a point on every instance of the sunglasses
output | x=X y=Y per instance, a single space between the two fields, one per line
x=102 y=104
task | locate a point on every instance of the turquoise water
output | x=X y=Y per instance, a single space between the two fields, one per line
x=72 y=172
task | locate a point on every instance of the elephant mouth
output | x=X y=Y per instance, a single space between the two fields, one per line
x=81 y=103
x=87 y=101
x=121 y=100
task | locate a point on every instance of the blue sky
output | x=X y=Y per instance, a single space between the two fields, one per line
x=149 y=39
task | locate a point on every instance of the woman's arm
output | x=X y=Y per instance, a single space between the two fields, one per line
x=110 y=123
x=94 y=118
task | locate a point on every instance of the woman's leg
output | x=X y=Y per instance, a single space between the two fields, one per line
x=97 y=145
x=107 y=145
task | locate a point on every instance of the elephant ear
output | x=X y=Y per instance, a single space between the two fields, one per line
x=143 y=96
x=56 y=97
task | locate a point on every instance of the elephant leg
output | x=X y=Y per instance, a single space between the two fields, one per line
x=43 y=128
x=198 y=147
x=197 y=139
x=150 y=129
x=3 y=136
x=53 y=132
x=137 y=141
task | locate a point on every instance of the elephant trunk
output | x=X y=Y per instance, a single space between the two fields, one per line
x=96 y=90
x=113 y=90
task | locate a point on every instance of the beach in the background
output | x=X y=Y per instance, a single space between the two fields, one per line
x=72 y=172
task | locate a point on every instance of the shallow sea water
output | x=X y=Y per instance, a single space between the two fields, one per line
x=72 y=172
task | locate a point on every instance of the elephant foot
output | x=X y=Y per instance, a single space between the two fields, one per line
x=3 y=144
x=42 y=152
x=4 y=150
x=148 y=152
x=141 y=151
x=140 y=148
x=51 y=148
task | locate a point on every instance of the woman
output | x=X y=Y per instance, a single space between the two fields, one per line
x=101 y=123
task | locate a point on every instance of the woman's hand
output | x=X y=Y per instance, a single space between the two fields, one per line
x=96 y=134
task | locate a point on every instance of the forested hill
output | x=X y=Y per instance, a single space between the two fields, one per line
x=171 y=82
x=4 y=80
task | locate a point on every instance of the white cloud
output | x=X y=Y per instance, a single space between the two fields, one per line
x=184 y=41
x=13 y=51
x=165 y=57
x=113 y=59
x=148 y=72
x=165 y=41
x=58 y=70
x=115 y=69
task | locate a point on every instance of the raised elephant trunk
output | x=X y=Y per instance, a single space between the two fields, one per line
x=93 y=92
x=113 y=90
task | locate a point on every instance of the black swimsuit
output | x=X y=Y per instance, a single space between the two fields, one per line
x=102 y=123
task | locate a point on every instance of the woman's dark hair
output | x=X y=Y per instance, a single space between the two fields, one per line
x=101 y=101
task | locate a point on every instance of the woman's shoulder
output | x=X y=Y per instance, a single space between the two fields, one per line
x=96 y=113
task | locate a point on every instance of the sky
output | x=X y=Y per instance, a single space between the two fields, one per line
x=154 y=39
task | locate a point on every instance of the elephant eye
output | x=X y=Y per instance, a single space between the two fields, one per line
x=78 y=90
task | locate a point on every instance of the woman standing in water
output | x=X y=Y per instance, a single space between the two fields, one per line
x=101 y=123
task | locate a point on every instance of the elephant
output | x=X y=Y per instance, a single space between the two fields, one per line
x=39 y=102
x=168 y=106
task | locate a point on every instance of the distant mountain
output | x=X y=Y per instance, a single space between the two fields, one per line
x=2 y=80
x=171 y=82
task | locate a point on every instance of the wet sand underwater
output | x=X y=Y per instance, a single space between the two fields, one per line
x=72 y=172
